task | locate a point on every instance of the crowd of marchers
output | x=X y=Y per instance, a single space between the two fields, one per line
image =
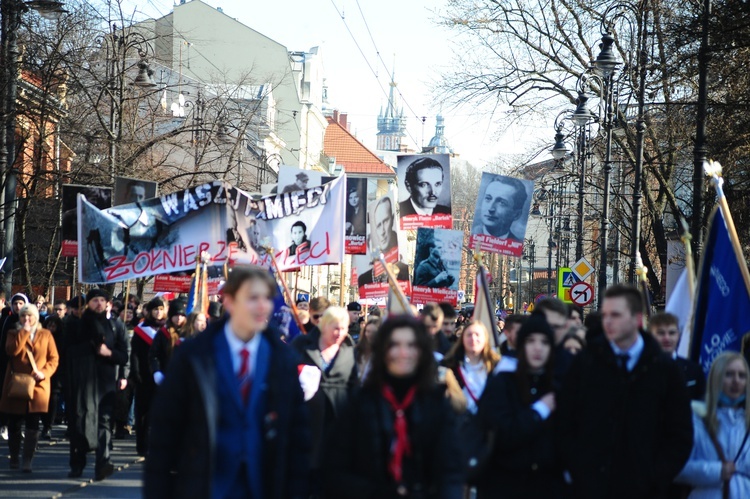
x=417 y=406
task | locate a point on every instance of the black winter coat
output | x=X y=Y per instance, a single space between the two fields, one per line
x=624 y=435
x=523 y=462
x=358 y=451
x=336 y=386
x=160 y=352
x=184 y=418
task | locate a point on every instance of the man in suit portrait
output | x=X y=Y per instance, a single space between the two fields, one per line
x=424 y=180
x=384 y=234
x=500 y=206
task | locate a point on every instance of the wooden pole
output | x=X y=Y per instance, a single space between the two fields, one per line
x=285 y=288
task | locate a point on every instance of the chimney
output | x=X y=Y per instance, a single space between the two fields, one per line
x=343 y=121
x=336 y=115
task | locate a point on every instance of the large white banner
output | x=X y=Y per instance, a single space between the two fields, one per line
x=168 y=233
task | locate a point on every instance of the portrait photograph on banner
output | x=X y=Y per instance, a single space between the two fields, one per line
x=383 y=237
x=501 y=215
x=424 y=191
x=356 y=216
x=372 y=281
x=101 y=197
x=292 y=178
x=437 y=264
x=133 y=190
x=168 y=233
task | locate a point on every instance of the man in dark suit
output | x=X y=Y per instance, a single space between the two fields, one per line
x=229 y=418
x=666 y=329
x=402 y=274
x=625 y=425
x=424 y=180
x=501 y=204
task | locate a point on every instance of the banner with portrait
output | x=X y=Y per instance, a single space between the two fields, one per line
x=101 y=197
x=356 y=216
x=437 y=265
x=501 y=215
x=372 y=281
x=167 y=234
x=133 y=190
x=424 y=191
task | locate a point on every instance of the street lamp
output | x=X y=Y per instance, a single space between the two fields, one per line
x=9 y=54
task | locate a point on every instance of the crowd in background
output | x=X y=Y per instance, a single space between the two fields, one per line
x=362 y=405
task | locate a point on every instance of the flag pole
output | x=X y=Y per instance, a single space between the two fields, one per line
x=394 y=284
x=686 y=239
x=713 y=170
x=292 y=303
x=641 y=272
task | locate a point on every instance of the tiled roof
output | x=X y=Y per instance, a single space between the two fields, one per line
x=352 y=154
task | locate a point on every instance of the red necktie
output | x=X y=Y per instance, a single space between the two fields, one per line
x=244 y=374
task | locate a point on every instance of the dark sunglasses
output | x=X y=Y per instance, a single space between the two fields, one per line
x=317 y=316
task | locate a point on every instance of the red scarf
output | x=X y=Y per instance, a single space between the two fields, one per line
x=401 y=446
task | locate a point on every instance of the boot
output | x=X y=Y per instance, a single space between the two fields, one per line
x=29 y=447
x=14 y=446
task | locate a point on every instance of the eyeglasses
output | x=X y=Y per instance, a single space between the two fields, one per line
x=317 y=316
x=59 y=309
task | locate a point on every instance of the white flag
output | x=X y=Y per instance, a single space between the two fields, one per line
x=680 y=304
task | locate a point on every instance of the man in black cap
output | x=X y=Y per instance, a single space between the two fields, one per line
x=300 y=183
x=355 y=326
x=140 y=371
x=97 y=353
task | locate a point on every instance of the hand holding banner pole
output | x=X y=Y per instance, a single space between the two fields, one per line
x=292 y=303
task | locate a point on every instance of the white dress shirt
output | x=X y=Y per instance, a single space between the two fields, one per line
x=634 y=352
x=419 y=210
x=236 y=345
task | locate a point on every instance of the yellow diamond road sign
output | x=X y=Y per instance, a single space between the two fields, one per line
x=582 y=269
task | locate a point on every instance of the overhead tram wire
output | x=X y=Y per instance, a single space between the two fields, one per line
x=372 y=70
x=377 y=52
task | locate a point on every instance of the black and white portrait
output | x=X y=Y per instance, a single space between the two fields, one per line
x=424 y=191
x=132 y=190
x=356 y=207
x=101 y=197
x=503 y=205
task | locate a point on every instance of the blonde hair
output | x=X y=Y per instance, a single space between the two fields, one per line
x=331 y=315
x=30 y=309
x=713 y=391
x=490 y=358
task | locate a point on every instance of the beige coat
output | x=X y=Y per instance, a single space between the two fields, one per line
x=45 y=354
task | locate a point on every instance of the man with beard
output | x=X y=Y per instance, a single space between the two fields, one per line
x=9 y=322
x=140 y=372
x=97 y=353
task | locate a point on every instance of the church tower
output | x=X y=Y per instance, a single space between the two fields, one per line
x=439 y=143
x=391 y=123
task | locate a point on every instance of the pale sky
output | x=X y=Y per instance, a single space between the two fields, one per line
x=403 y=30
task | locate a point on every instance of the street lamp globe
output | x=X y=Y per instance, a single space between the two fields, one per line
x=606 y=62
x=582 y=115
x=560 y=150
x=51 y=10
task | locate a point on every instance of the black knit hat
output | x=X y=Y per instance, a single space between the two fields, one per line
x=536 y=323
x=154 y=303
x=96 y=293
x=177 y=307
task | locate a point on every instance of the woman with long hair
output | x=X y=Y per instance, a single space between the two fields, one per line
x=197 y=322
x=719 y=465
x=516 y=407
x=31 y=350
x=363 y=350
x=398 y=436
x=472 y=360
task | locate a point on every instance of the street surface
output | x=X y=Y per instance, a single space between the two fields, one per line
x=50 y=476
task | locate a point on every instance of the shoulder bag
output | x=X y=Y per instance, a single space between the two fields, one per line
x=22 y=384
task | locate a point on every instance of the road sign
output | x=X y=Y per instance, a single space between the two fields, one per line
x=582 y=293
x=565 y=281
x=582 y=269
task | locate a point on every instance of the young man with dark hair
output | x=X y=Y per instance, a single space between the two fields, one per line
x=449 y=321
x=229 y=419
x=513 y=324
x=575 y=316
x=556 y=313
x=625 y=425
x=432 y=317
x=666 y=329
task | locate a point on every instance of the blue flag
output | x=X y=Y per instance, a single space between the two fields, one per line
x=722 y=307
x=282 y=317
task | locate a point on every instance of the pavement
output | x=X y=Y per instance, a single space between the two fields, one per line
x=50 y=476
